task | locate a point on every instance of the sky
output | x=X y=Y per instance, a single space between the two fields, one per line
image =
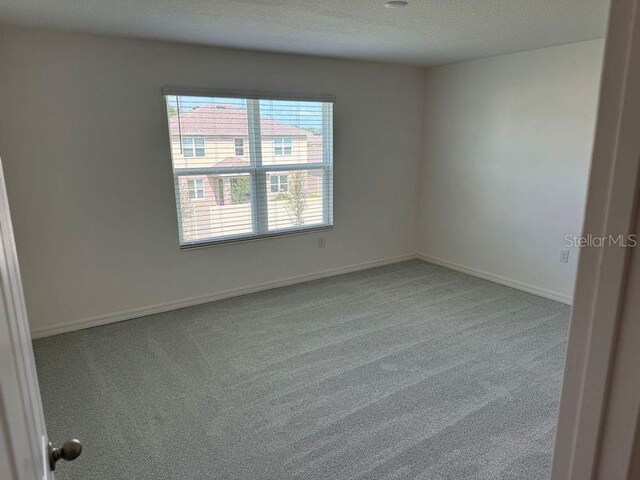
x=293 y=112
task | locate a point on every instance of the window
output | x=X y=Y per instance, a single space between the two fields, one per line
x=193 y=147
x=278 y=183
x=239 y=146
x=282 y=146
x=267 y=187
x=195 y=188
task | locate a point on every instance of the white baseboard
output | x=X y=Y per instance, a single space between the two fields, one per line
x=542 y=292
x=188 y=302
x=80 y=324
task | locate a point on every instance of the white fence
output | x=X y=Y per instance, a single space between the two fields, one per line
x=201 y=222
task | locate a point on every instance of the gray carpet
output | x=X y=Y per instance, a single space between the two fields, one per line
x=404 y=371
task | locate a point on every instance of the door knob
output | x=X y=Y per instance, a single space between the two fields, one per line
x=70 y=450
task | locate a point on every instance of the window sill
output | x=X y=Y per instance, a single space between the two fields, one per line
x=243 y=239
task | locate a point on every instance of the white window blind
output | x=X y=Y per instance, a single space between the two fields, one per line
x=248 y=167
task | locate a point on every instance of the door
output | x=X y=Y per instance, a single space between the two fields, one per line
x=22 y=419
x=24 y=446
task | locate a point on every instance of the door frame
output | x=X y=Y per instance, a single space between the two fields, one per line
x=23 y=439
x=602 y=285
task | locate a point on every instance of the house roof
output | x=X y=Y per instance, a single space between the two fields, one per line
x=214 y=119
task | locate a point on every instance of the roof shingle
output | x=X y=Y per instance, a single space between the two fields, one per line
x=217 y=119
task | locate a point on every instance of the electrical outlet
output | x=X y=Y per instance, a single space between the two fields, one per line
x=564 y=256
x=322 y=242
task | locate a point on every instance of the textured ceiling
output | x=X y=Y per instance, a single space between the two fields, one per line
x=426 y=32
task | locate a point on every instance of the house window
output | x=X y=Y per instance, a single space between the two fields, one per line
x=256 y=192
x=282 y=146
x=239 y=146
x=192 y=147
x=278 y=183
x=195 y=188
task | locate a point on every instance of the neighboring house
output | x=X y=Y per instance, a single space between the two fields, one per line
x=214 y=205
x=217 y=136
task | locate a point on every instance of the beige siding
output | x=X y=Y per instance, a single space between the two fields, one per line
x=218 y=148
x=298 y=151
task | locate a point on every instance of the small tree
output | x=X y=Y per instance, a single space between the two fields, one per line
x=296 y=201
x=240 y=189
x=172 y=110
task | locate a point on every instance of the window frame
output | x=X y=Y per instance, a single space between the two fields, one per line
x=279 y=183
x=236 y=147
x=256 y=170
x=193 y=147
x=195 y=188
x=283 y=146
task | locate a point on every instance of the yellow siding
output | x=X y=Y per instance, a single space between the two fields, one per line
x=217 y=148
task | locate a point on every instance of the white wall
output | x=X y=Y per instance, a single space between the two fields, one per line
x=507 y=150
x=502 y=149
x=84 y=147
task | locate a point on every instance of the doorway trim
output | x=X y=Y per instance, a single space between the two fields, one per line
x=602 y=279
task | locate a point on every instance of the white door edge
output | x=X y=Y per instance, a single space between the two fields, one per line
x=23 y=424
